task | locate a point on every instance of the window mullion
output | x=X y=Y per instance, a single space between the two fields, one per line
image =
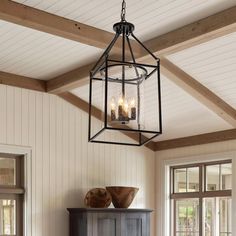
x=205 y=180
x=175 y=214
x=12 y=191
x=220 y=181
x=201 y=220
x=19 y=218
x=186 y=216
x=201 y=200
x=186 y=180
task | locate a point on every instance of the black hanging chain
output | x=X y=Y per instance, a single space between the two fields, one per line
x=123 y=11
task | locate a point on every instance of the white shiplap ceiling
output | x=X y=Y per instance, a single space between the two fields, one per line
x=213 y=64
x=40 y=55
x=184 y=116
x=151 y=17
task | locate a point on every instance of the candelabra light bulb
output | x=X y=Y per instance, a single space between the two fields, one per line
x=126 y=106
x=132 y=102
x=121 y=101
x=113 y=103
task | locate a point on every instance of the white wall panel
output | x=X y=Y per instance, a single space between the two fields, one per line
x=64 y=164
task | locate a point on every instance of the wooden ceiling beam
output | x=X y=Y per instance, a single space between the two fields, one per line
x=198 y=91
x=200 y=31
x=70 y=80
x=43 y=21
x=22 y=82
x=172 y=72
x=81 y=104
x=84 y=106
x=200 y=139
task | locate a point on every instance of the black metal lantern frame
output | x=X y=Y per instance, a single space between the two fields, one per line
x=128 y=77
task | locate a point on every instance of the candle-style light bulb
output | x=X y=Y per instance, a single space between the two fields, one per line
x=120 y=108
x=113 y=109
x=132 y=102
x=113 y=103
x=133 y=109
x=121 y=101
x=126 y=109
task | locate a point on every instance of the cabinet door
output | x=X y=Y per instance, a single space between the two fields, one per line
x=78 y=225
x=134 y=224
x=106 y=224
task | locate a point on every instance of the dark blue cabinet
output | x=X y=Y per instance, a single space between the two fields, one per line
x=109 y=222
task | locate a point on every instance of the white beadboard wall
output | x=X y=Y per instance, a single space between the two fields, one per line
x=198 y=153
x=64 y=165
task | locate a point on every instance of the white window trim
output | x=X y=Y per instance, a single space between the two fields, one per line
x=163 y=184
x=27 y=152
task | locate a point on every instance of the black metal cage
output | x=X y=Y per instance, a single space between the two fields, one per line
x=125 y=121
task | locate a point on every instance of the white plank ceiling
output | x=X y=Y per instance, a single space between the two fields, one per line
x=213 y=64
x=151 y=17
x=40 y=55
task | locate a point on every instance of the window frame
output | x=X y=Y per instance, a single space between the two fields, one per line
x=201 y=194
x=16 y=191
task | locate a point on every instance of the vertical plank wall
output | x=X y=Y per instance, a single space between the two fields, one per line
x=64 y=165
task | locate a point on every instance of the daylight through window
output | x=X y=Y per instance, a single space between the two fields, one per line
x=201 y=199
x=11 y=195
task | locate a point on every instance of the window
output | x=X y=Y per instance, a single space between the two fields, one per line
x=201 y=199
x=11 y=195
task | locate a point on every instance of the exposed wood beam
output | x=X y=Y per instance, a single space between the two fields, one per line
x=70 y=80
x=40 y=20
x=182 y=79
x=81 y=104
x=218 y=136
x=203 y=30
x=22 y=82
x=84 y=106
x=198 y=91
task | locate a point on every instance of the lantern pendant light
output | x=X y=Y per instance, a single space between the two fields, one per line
x=125 y=95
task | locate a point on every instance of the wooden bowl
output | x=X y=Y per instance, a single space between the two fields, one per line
x=122 y=197
x=97 y=198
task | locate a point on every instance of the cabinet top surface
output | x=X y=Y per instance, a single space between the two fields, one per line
x=74 y=210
